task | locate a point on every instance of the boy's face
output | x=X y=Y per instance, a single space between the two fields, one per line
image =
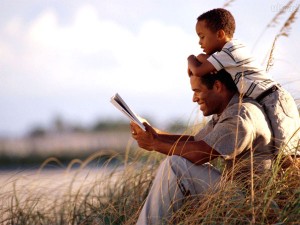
x=208 y=40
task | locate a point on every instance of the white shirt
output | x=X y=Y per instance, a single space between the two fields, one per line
x=250 y=79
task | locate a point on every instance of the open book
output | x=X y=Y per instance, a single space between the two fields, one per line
x=120 y=104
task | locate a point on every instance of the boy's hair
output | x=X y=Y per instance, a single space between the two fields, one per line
x=224 y=77
x=219 y=19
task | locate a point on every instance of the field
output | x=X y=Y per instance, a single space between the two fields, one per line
x=92 y=193
x=111 y=193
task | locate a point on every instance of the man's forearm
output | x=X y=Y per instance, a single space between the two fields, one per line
x=197 y=152
x=175 y=137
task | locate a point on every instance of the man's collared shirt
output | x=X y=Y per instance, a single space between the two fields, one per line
x=241 y=128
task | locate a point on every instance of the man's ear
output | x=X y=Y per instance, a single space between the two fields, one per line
x=218 y=86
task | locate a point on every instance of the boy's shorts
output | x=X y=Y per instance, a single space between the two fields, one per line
x=283 y=114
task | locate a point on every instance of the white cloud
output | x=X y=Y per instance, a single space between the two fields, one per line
x=44 y=29
x=58 y=57
x=86 y=55
x=91 y=53
x=13 y=27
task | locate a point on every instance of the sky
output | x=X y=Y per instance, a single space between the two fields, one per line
x=67 y=58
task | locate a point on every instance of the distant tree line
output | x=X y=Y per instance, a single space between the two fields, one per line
x=59 y=125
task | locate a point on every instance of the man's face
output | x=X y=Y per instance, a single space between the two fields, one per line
x=208 y=99
x=208 y=40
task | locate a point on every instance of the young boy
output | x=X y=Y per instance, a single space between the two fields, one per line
x=215 y=29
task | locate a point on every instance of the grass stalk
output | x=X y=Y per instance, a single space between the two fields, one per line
x=284 y=31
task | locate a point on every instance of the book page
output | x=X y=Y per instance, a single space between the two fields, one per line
x=120 y=104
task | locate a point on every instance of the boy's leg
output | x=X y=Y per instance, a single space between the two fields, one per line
x=284 y=118
x=176 y=177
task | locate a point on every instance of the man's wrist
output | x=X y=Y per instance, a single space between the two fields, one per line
x=155 y=143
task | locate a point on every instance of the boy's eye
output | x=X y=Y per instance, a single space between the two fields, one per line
x=201 y=37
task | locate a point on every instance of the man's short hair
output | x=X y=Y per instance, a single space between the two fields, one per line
x=219 y=19
x=224 y=77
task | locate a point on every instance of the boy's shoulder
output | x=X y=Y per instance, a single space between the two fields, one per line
x=234 y=43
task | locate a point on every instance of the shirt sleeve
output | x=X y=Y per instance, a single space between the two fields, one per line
x=221 y=60
x=204 y=131
x=230 y=136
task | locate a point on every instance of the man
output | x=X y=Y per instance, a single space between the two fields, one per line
x=237 y=128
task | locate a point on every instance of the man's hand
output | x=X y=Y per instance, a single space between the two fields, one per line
x=145 y=139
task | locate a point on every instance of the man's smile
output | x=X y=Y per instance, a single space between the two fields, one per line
x=202 y=105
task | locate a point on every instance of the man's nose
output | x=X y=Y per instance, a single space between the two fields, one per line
x=195 y=98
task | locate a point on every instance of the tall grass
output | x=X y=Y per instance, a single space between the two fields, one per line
x=83 y=197
x=277 y=200
x=275 y=20
x=117 y=197
x=284 y=31
x=87 y=195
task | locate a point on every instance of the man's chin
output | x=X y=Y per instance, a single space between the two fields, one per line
x=202 y=108
x=203 y=112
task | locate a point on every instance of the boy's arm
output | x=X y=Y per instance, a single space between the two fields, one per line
x=197 y=68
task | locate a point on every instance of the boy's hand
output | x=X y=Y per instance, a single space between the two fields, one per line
x=197 y=68
x=192 y=59
x=192 y=63
x=202 y=57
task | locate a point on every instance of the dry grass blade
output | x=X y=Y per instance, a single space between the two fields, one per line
x=116 y=196
x=282 y=11
x=277 y=199
x=287 y=25
x=284 y=31
x=95 y=192
x=274 y=20
x=227 y=3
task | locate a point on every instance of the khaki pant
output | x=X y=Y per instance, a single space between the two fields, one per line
x=283 y=114
x=176 y=177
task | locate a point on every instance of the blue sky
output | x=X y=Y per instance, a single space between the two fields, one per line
x=67 y=58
